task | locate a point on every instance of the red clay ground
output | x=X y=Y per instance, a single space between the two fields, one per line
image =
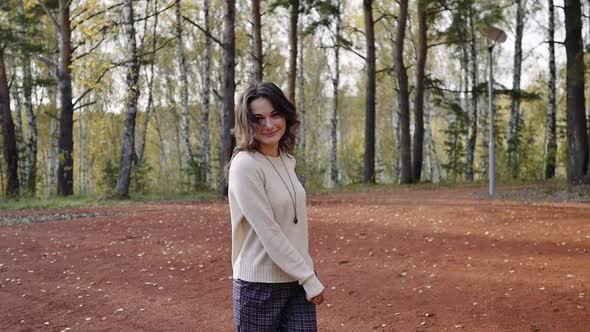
x=436 y=260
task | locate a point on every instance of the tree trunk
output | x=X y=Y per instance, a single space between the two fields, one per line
x=82 y=167
x=257 y=41
x=431 y=148
x=8 y=133
x=27 y=92
x=65 y=168
x=472 y=140
x=293 y=31
x=369 y=158
x=404 y=103
x=551 y=148
x=132 y=95
x=205 y=153
x=229 y=87
x=422 y=53
x=188 y=153
x=515 y=121
x=50 y=190
x=162 y=140
x=577 y=134
x=21 y=144
x=335 y=87
x=302 y=137
x=150 y=86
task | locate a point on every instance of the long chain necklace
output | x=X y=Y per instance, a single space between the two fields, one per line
x=294 y=195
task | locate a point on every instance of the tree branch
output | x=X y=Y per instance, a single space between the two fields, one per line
x=47 y=61
x=157 y=49
x=91 y=50
x=84 y=105
x=100 y=12
x=203 y=30
x=94 y=85
x=53 y=19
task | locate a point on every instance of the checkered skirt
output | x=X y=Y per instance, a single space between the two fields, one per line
x=262 y=307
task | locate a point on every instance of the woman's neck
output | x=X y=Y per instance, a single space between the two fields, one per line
x=269 y=150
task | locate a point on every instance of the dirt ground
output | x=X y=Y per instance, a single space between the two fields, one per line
x=405 y=260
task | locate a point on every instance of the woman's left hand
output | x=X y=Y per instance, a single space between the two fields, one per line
x=318 y=299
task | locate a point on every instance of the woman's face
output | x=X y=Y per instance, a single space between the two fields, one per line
x=270 y=124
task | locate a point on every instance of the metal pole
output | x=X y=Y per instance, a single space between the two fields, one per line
x=492 y=156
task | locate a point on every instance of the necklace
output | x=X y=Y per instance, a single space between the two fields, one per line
x=294 y=195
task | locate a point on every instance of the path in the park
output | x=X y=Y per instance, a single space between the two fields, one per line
x=406 y=260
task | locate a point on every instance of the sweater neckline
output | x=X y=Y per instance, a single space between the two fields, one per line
x=271 y=157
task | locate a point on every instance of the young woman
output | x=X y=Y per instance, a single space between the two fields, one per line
x=275 y=285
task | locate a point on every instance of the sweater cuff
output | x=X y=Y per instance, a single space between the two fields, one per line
x=313 y=287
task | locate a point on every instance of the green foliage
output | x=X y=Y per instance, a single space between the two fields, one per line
x=453 y=144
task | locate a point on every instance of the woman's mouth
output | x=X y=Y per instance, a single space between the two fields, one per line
x=270 y=134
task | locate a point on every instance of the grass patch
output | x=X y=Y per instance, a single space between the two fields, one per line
x=90 y=201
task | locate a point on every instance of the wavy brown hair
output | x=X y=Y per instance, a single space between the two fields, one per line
x=246 y=123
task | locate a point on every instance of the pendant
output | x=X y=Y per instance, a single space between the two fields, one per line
x=295 y=220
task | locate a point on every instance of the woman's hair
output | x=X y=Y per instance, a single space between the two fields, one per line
x=246 y=123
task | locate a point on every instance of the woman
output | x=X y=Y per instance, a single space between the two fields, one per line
x=275 y=285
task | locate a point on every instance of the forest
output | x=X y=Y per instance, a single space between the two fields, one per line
x=121 y=97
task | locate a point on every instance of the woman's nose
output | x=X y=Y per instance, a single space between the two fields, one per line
x=267 y=123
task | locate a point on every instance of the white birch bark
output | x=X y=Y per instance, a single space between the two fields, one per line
x=515 y=116
x=132 y=95
x=188 y=153
x=302 y=137
x=204 y=156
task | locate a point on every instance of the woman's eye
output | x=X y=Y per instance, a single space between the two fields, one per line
x=275 y=115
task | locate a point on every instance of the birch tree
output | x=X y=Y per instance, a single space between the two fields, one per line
x=204 y=156
x=335 y=90
x=189 y=157
x=31 y=175
x=515 y=117
x=131 y=97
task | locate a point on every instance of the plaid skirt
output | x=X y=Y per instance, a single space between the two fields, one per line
x=266 y=307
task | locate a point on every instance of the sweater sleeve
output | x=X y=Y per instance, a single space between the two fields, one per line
x=246 y=188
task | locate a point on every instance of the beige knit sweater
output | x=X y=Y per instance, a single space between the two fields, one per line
x=267 y=246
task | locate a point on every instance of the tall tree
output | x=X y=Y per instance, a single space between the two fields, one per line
x=183 y=71
x=403 y=93
x=422 y=53
x=335 y=90
x=229 y=87
x=257 y=41
x=293 y=32
x=551 y=148
x=302 y=137
x=150 y=86
x=8 y=133
x=31 y=175
x=132 y=95
x=577 y=134
x=204 y=155
x=370 y=94
x=62 y=23
x=471 y=141
x=515 y=117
